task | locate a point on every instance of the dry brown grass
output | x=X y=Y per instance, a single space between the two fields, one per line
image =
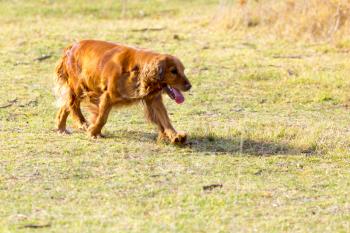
x=320 y=20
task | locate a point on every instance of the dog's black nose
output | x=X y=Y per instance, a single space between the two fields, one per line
x=188 y=86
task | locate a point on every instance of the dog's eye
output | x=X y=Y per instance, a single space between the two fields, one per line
x=173 y=71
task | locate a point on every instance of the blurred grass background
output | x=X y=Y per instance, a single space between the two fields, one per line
x=312 y=20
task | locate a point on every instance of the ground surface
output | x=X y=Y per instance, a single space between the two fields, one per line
x=268 y=120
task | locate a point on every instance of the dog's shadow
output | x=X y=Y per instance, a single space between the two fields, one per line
x=213 y=144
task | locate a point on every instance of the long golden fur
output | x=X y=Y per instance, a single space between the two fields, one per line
x=110 y=75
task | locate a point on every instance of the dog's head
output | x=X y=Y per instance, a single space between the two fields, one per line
x=168 y=73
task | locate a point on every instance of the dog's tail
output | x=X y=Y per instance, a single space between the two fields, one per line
x=61 y=89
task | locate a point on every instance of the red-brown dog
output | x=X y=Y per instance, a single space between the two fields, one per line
x=112 y=75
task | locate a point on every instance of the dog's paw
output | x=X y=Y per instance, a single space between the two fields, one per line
x=178 y=138
x=97 y=136
x=64 y=131
x=94 y=133
x=162 y=137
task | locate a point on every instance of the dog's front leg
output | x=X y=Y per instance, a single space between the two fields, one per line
x=157 y=113
x=105 y=107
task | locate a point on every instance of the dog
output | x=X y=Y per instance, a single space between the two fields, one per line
x=105 y=75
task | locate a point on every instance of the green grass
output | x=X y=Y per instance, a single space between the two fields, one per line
x=269 y=120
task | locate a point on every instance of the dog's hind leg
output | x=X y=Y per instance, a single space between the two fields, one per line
x=61 y=119
x=93 y=109
x=105 y=107
x=62 y=100
x=74 y=108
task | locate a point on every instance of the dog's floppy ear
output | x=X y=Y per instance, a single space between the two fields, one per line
x=142 y=80
x=161 y=70
x=152 y=75
x=154 y=70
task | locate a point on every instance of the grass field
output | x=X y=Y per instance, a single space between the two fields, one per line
x=269 y=120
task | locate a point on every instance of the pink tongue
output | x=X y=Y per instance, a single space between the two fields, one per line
x=179 y=98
